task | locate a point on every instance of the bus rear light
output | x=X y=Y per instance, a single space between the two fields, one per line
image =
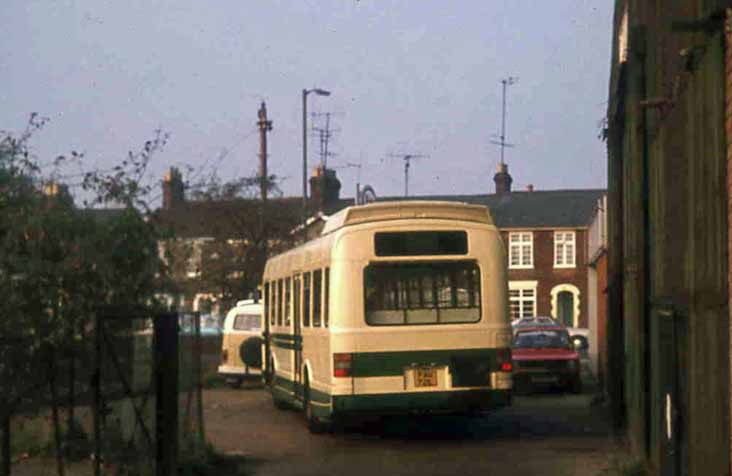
x=342 y=365
x=503 y=359
x=224 y=356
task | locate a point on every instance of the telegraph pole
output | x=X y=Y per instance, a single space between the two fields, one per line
x=264 y=127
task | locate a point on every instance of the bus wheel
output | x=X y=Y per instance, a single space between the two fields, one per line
x=315 y=425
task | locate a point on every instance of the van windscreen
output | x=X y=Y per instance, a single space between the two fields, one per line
x=247 y=322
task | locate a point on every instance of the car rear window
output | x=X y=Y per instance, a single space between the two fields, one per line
x=544 y=339
x=247 y=322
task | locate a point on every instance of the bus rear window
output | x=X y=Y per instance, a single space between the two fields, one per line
x=424 y=243
x=422 y=293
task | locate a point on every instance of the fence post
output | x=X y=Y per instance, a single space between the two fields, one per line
x=198 y=356
x=97 y=389
x=4 y=442
x=165 y=351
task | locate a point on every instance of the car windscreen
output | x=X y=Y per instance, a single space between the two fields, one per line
x=545 y=339
x=422 y=293
x=247 y=322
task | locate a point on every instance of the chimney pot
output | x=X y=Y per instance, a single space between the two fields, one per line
x=502 y=180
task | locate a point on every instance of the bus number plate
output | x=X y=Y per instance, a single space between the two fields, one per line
x=425 y=377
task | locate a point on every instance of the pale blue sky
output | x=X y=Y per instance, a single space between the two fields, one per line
x=406 y=76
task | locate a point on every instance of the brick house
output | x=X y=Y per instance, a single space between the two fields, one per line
x=219 y=245
x=546 y=234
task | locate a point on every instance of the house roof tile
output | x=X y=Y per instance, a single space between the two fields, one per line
x=536 y=209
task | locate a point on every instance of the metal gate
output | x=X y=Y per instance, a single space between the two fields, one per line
x=146 y=373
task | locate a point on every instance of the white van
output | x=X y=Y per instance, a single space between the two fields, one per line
x=241 y=354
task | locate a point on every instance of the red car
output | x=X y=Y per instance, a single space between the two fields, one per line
x=544 y=355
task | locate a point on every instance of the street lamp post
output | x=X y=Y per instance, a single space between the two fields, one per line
x=305 y=92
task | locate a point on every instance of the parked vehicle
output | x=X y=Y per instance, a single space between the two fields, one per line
x=544 y=355
x=578 y=335
x=241 y=348
x=523 y=322
x=398 y=307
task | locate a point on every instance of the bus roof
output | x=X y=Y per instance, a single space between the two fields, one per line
x=402 y=210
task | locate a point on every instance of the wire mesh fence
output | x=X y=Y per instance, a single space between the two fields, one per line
x=148 y=404
x=124 y=391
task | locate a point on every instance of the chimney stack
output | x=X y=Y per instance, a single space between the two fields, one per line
x=173 y=189
x=503 y=180
x=325 y=187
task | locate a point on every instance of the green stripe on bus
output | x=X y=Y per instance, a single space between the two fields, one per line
x=289 y=337
x=320 y=397
x=290 y=386
x=386 y=364
x=287 y=345
x=287 y=384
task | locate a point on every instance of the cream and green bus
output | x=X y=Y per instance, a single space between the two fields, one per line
x=398 y=307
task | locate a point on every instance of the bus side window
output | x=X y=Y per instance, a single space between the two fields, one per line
x=317 y=296
x=306 y=300
x=272 y=303
x=279 y=302
x=288 y=301
x=326 y=287
x=296 y=299
x=266 y=303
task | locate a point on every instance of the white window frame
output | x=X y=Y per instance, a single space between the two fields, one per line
x=565 y=249
x=576 y=292
x=517 y=246
x=523 y=287
x=194 y=261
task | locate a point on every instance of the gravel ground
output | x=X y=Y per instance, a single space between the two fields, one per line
x=541 y=434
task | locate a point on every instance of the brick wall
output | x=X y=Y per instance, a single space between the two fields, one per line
x=548 y=276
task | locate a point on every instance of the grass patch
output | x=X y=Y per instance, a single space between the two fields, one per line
x=30 y=436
